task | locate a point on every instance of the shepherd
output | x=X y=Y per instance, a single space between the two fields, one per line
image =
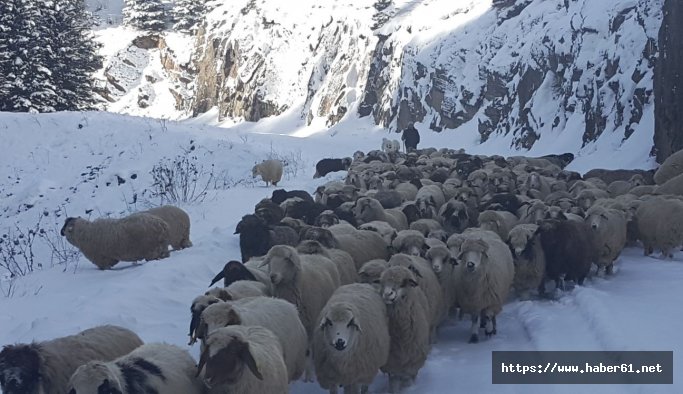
x=410 y=138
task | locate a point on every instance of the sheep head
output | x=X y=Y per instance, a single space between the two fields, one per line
x=339 y=326
x=216 y=316
x=371 y=271
x=283 y=264
x=198 y=306
x=95 y=377
x=521 y=240
x=473 y=253
x=250 y=223
x=438 y=256
x=232 y=272
x=20 y=367
x=395 y=284
x=225 y=358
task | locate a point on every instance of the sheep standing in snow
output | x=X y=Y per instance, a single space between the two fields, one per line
x=486 y=271
x=307 y=281
x=408 y=313
x=178 y=225
x=243 y=359
x=277 y=315
x=390 y=146
x=528 y=258
x=352 y=341
x=269 y=170
x=105 y=242
x=659 y=225
x=256 y=237
x=151 y=368
x=609 y=234
x=45 y=367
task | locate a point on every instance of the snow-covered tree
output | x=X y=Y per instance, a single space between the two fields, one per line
x=77 y=55
x=26 y=52
x=188 y=14
x=145 y=14
x=47 y=56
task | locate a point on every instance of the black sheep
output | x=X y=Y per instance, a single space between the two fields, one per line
x=281 y=195
x=305 y=210
x=440 y=175
x=256 y=237
x=411 y=211
x=464 y=167
x=569 y=251
x=232 y=272
x=502 y=202
x=325 y=166
x=345 y=212
x=322 y=235
x=269 y=211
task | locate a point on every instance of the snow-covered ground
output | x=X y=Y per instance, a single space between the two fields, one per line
x=72 y=164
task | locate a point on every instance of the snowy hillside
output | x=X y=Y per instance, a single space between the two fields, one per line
x=527 y=70
x=99 y=164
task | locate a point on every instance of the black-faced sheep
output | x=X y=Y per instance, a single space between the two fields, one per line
x=408 y=312
x=352 y=341
x=456 y=216
x=307 y=281
x=609 y=234
x=105 y=242
x=45 y=367
x=326 y=166
x=256 y=237
x=277 y=315
x=569 y=251
x=234 y=271
x=269 y=170
x=485 y=274
x=528 y=258
x=326 y=219
x=151 y=368
x=178 y=225
x=323 y=235
x=241 y=359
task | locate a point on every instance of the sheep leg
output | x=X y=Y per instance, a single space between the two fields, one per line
x=490 y=329
x=394 y=383
x=581 y=280
x=609 y=270
x=309 y=371
x=364 y=389
x=351 y=389
x=474 y=330
x=333 y=389
x=541 y=288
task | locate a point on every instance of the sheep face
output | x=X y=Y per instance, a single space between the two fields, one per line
x=366 y=209
x=358 y=155
x=427 y=207
x=322 y=235
x=256 y=171
x=68 y=229
x=326 y=219
x=19 y=369
x=395 y=283
x=534 y=181
x=456 y=216
x=472 y=255
x=491 y=225
x=282 y=264
x=198 y=306
x=217 y=316
x=441 y=235
x=520 y=242
x=438 y=257
x=596 y=220
x=94 y=377
x=340 y=328
x=226 y=364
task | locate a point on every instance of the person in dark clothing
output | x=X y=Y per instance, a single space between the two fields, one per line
x=410 y=138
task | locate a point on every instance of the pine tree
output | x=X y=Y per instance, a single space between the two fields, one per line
x=26 y=53
x=47 y=56
x=188 y=14
x=77 y=56
x=145 y=14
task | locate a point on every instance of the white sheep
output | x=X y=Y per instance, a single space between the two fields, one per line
x=384 y=229
x=430 y=285
x=243 y=359
x=178 y=225
x=429 y=200
x=151 y=368
x=371 y=271
x=670 y=168
x=105 y=242
x=528 y=257
x=532 y=212
x=45 y=367
x=390 y=146
x=619 y=187
x=307 y=281
x=672 y=186
x=269 y=170
x=409 y=242
x=609 y=233
x=486 y=272
x=587 y=197
x=368 y=209
x=659 y=224
x=537 y=186
x=352 y=341
x=362 y=245
x=407 y=190
x=455 y=241
x=344 y=262
x=277 y=315
x=408 y=313
x=425 y=226
x=443 y=264
x=239 y=289
x=500 y=222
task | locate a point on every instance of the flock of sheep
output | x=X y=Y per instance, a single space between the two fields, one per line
x=358 y=277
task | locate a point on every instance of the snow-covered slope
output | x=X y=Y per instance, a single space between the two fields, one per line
x=580 y=71
x=97 y=164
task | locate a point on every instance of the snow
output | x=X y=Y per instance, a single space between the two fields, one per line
x=61 y=170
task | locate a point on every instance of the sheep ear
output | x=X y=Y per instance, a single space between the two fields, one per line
x=409 y=282
x=603 y=216
x=264 y=263
x=324 y=323
x=415 y=271
x=355 y=325
x=248 y=358
x=453 y=261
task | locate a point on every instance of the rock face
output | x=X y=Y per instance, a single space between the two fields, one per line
x=521 y=70
x=668 y=83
